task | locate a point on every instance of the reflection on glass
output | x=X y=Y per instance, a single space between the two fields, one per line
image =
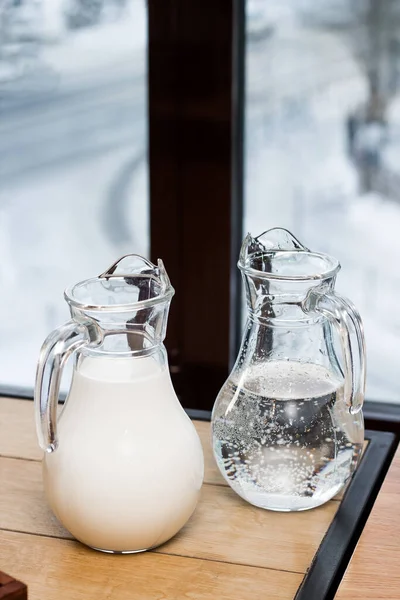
x=73 y=172
x=323 y=149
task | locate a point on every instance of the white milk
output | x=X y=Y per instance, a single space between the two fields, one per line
x=128 y=470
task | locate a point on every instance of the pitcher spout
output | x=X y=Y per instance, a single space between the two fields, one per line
x=134 y=265
x=277 y=269
x=272 y=240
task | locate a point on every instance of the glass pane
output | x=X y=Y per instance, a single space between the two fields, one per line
x=323 y=150
x=73 y=169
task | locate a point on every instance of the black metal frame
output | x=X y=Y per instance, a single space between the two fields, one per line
x=14 y=391
x=198 y=415
x=238 y=153
x=382 y=416
x=332 y=557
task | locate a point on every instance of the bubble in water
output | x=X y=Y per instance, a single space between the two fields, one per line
x=289 y=447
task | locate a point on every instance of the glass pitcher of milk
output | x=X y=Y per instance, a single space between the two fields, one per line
x=287 y=425
x=123 y=464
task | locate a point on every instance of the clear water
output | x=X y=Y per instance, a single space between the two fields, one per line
x=284 y=438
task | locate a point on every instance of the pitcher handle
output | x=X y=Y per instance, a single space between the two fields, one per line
x=56 y=349
x=347 y=321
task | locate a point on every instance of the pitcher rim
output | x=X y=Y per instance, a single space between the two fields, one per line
x=334 y=266
x=165 y=296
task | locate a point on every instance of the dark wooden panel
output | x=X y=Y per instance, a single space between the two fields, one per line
x=195 y=121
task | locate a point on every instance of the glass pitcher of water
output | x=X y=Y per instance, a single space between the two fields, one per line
x=123 y=464
x=287 y=426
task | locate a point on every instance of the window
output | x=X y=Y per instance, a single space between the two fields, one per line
x=322 y=147
x=73 y=159
x=287 y=105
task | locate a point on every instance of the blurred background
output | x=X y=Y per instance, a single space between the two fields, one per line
x=73 y=164
x=319 y=153
x=323 y=149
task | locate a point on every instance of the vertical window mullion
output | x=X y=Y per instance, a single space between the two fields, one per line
x=195 y=190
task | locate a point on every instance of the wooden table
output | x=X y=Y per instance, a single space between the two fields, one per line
x=374 y=570
x=228 y=550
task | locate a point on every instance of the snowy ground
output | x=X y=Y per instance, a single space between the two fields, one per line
x=301 y=86
x=73 y=176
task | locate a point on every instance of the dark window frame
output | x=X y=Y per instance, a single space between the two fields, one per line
x=196 y=121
